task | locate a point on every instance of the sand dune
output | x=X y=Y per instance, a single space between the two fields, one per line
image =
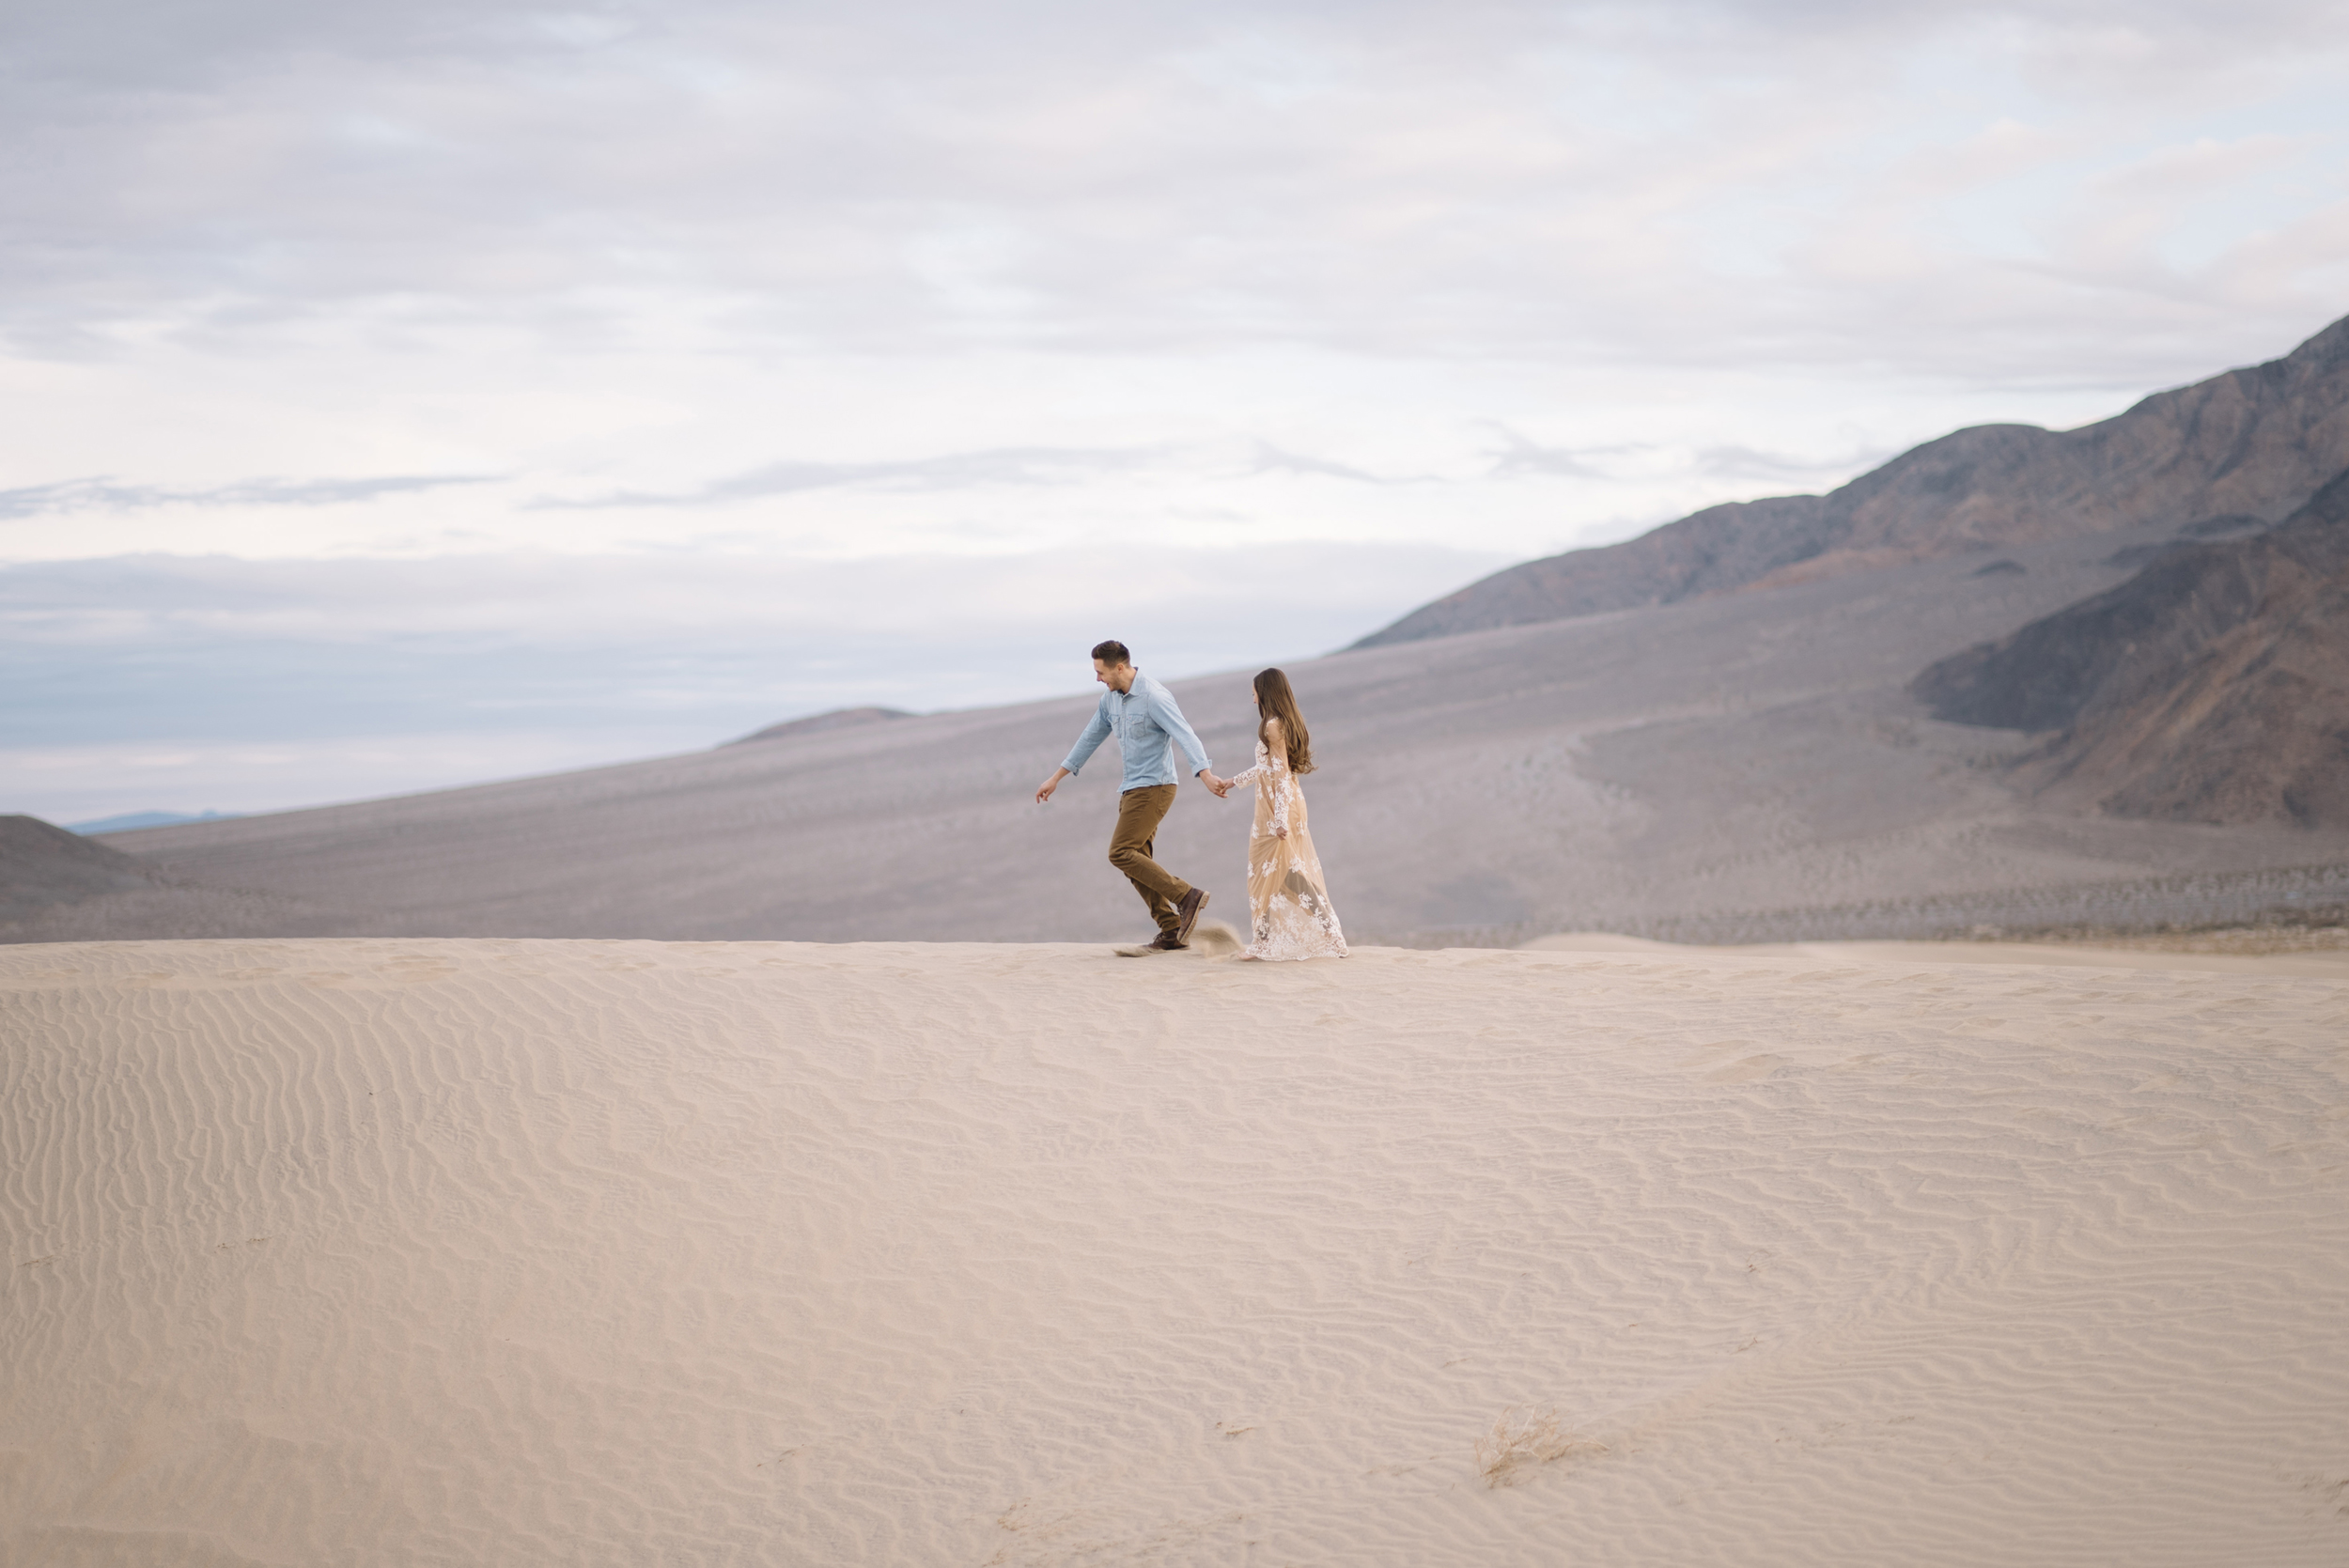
x=2330 y=961
x=409 y=1251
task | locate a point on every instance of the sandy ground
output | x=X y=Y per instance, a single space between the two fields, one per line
x=513 y=1251
x=2323 y=954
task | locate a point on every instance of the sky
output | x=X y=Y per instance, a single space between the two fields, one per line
x=404 y=396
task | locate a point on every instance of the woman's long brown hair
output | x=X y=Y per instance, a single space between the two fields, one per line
x=1276 y=701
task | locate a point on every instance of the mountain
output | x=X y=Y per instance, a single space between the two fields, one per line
x=1740 y=767
x=2211 y=687
x=2252 y=443
x=43 y=866
x=135 y=819
x=821 y=724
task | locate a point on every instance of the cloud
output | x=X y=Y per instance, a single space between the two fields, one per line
x=954 y=471
x=1519 y=458
x=1022 y=466
x=567 y=601
x=1735 y=182
x=104 y=495
x=1745 y=462
x=1271 y=459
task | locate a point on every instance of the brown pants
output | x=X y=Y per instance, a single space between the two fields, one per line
x=1139 y=814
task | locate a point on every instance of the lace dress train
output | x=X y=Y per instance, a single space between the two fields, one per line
x=1287 y=900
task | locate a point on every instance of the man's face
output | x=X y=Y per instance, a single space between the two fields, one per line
x=1115 y=677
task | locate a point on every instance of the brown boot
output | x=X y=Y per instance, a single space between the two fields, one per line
x=1187 y=914
x=1168 y=941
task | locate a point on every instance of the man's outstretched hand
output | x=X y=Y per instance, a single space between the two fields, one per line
x=1044 y=790
x=1220 y=787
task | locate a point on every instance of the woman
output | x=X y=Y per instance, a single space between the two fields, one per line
x=1285 y=894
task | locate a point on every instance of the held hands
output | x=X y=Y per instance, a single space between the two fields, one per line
x=1206 y=776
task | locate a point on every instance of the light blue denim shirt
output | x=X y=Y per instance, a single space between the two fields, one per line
x=1144 y=720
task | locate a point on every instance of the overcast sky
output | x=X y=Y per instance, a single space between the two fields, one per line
x=403 y=395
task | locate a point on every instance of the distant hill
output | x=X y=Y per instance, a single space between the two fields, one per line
x=2246 y=447
x=1739 y=767
x=819 y=724
x=43 y=866
x=132 y=821
x=2211 y=687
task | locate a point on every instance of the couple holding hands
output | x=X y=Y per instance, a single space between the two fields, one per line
x=1289 y=910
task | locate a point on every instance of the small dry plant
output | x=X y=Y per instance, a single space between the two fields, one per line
x=1524 y=1440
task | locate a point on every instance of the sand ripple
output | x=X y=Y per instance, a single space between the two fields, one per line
x=484 y=1252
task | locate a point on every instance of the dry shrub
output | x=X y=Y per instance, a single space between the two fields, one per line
x=1522 y=1441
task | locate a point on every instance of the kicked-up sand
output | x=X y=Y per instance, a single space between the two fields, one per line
x=507 y=1251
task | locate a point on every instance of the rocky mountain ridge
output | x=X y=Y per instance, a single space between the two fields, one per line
x=2211 y=687
x=2253 y=443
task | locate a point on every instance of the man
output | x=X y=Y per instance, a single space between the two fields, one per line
x=1143 y=715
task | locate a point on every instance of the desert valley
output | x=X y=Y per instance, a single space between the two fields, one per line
x=1845 y=1061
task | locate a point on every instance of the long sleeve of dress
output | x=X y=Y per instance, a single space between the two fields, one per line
x=1271 y=775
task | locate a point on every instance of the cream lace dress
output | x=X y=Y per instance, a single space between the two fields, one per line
x=1287 y=896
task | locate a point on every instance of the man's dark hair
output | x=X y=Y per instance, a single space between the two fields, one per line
x=1112 y=653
